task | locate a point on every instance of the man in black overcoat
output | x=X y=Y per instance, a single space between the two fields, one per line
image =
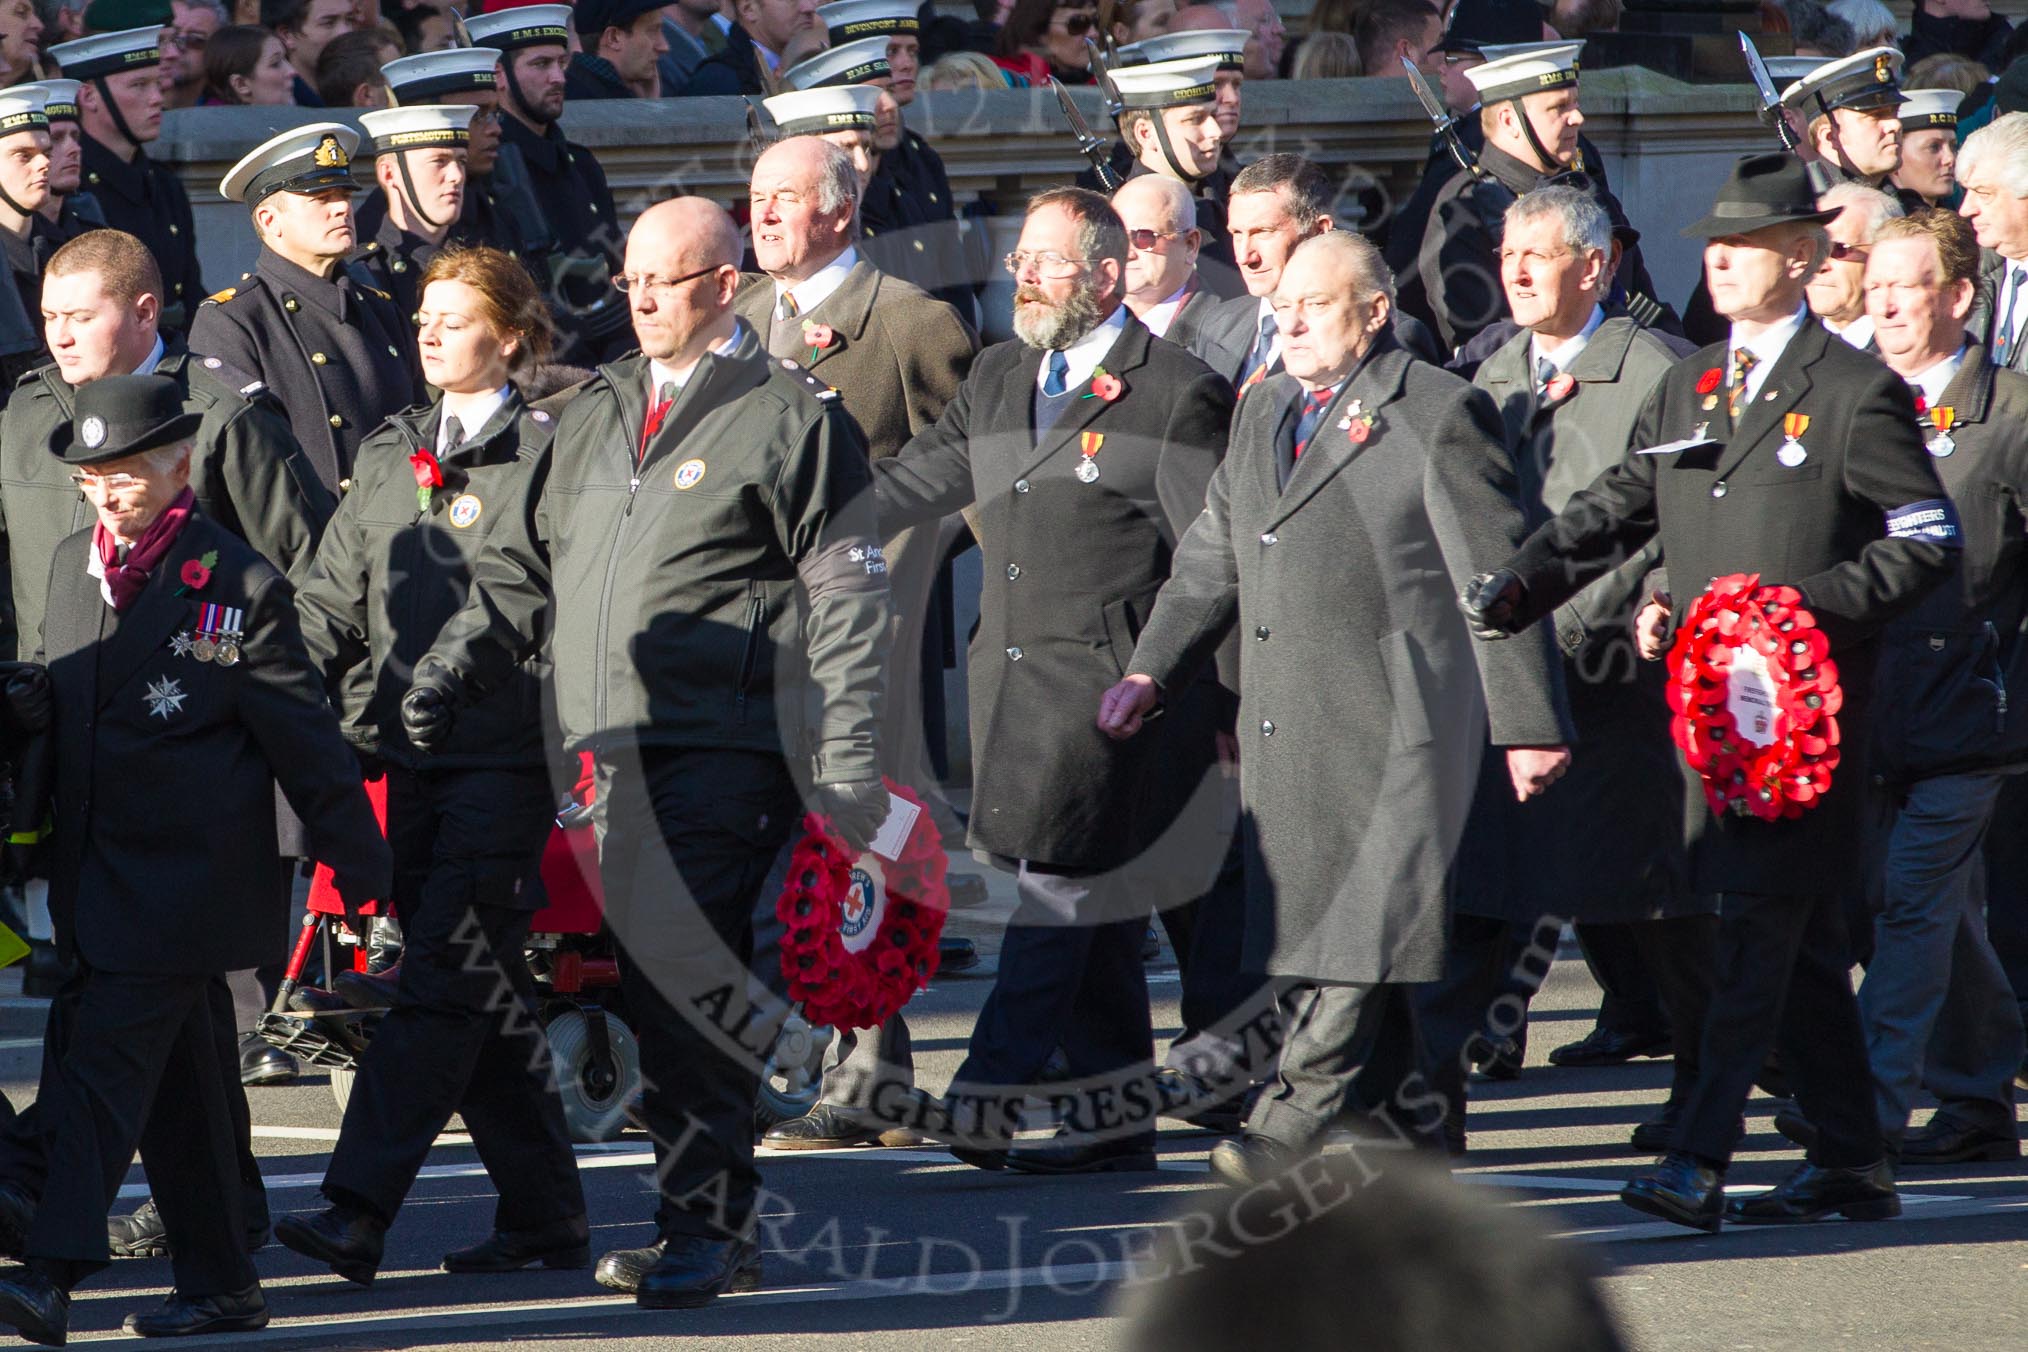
x=1784 y=453
x=1084 y=446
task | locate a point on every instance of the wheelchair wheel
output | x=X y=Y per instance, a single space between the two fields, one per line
x=793 y=1078
x=596 y=1091
x=341 y=1087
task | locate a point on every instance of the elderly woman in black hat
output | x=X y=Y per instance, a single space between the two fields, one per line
x=172 y=648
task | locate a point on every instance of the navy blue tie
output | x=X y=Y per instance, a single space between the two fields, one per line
x=1058 y=382
x=1313 y=413
x=2004 y=341
x=1262 y=347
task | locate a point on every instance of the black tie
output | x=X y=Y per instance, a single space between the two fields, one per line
x=454 y=433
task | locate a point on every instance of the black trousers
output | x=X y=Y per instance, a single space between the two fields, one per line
x=686 y=842
x=131 y=1060
x=1680 y=955
x=464 y=1035
x=1208 y=936
x=1782 y=978
x=1063 y=981
x=1631 y=999
x=1482 y=997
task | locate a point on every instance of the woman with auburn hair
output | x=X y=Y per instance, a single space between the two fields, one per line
x=1135 y=20
x=467 y=822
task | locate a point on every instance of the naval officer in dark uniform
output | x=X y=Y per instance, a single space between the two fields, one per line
x=553 y=188
x=1786 y=453
x=120 y=113
x=169 y=644
x=419 y=163
x=332 y=346
x=455 y=76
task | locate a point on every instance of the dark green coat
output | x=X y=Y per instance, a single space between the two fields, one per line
x=688 y=596
x=387 y=578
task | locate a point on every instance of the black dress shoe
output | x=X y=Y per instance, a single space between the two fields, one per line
x=1652 y=1137
x=1679 y=1188
x=562 y=1244
x=142 y=1234
x=1609 y=1047
x=186 y=1316
x=43 y=975
x=967 y=890
x=1192 y=1098
x=1945 y=1140
x=1811 y=1193
x=1501 y=1060
x=623 y=1269
x=324 y=1004
x=826 y=1127
x=261 y=1063
x=17 y=1212
x=1071 y=1156
x=1790 y=1122
x=347 y=1241
x=1251 y=1158
x=956 y=955
x=368 y=990
x=695 y=1271
x=35 y=1307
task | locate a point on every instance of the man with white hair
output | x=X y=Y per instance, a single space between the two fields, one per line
x=1993 y=170
x=1355 y=794
x=1837 y=293
x=1163 y=289
x=895 y=354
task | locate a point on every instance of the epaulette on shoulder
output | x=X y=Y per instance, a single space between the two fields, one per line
x=221 y=297
x=246 y=385
x=798 y=374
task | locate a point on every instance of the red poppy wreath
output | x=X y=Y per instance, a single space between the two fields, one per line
x=1755 y=697
x=860 y=936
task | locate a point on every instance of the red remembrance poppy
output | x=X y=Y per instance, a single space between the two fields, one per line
x=1708 y=382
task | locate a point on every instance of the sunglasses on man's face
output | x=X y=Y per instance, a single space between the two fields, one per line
x=1144 y=240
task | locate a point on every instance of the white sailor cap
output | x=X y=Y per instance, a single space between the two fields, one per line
x=22 y=108
x=1227 y=44
x=1927 y=109
x=429 y=75
x=1868 y=79
x=1786 y=70
x=509 y=30
x=417 y=127
x=854 y=63
x=301 y=160
x=60 y=98
x=104 y=54
x=806 y=112
x=850 y=20
x=1512 y=70
x=1167 y=84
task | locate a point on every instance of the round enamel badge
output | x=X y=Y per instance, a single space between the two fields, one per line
x=92 y=431
x=465 y=509
x=688 y=473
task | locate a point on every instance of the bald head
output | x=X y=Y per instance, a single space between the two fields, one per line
x=1163 y=207
x=682 y=269
x=1192 y=18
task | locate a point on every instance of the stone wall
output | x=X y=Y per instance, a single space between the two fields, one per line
x=1666 y=146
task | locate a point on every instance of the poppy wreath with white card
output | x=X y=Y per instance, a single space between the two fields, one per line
x=1755 y=697
x=860 y=936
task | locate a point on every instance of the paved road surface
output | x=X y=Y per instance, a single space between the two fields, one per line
x=905 y=1250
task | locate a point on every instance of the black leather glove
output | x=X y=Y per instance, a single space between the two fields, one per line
x=1489 y=602
x=28 y=697
x=856 y=810
x=427 y=712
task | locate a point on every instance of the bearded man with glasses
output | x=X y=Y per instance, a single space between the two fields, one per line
x=1084 y=447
